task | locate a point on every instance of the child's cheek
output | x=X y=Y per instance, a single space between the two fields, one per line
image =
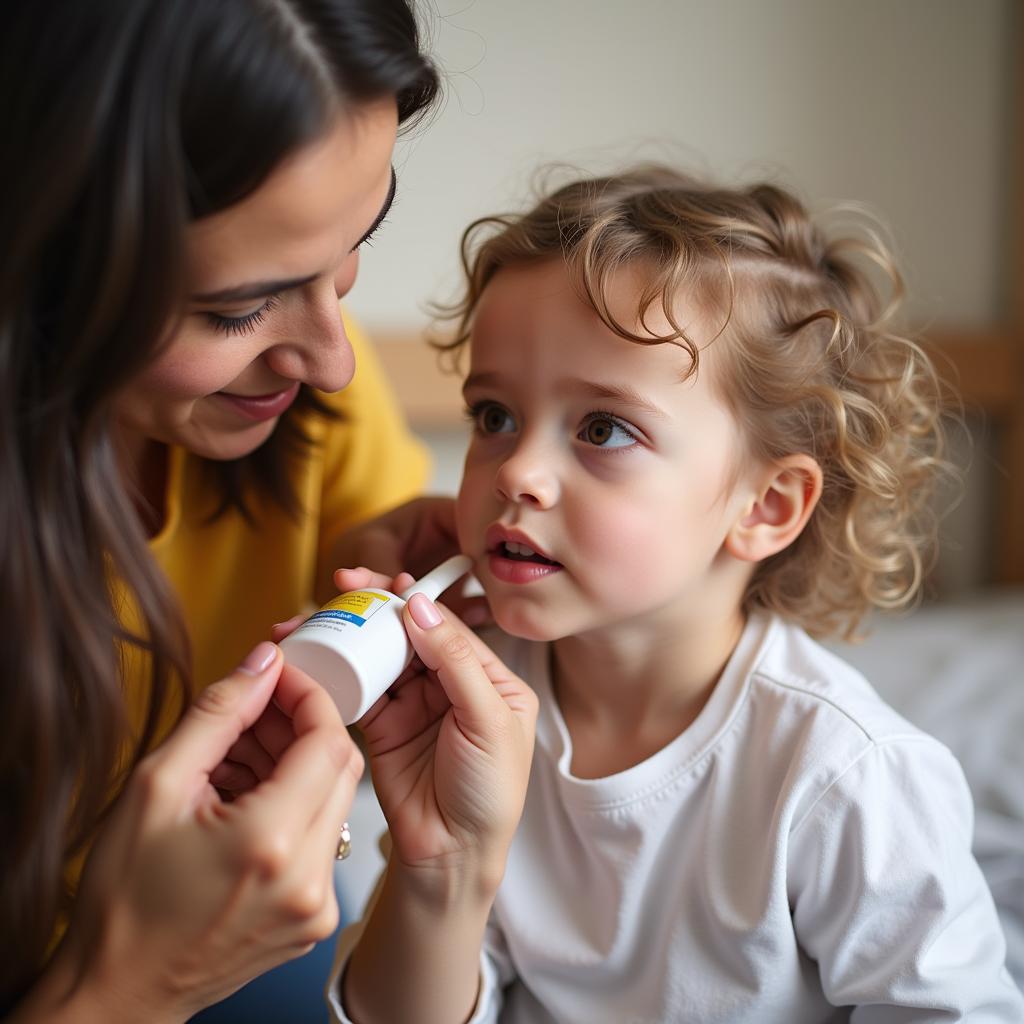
x=469 y=512
x=619 y=544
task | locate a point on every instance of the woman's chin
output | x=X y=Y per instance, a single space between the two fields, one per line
x=230 y=445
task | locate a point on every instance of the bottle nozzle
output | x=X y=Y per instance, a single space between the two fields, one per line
x=440 y=578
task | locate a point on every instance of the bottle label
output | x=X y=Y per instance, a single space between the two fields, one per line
x=356 y=607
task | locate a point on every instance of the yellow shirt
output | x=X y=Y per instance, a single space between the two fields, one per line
x=234 y=579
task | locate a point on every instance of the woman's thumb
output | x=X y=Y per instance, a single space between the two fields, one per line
x=224 y=710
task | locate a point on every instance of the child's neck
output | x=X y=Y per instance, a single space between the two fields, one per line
x=627 y=693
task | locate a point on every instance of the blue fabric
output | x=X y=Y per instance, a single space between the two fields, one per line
x=290 y=994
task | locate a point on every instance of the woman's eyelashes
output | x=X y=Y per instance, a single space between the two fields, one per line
x=367 y=239
x=597 y=429
x=389 y=205
x=245 y=324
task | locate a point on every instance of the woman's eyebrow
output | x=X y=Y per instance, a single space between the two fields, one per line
x=259 y=289
x=254 y=290
x=390 y=198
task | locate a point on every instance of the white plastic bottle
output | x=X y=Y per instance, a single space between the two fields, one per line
x=356 y=645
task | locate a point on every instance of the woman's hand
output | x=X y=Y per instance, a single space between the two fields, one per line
x=186 y=896
x=418 y=536
x=450 y=743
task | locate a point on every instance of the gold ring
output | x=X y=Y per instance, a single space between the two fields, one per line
x=344 y=842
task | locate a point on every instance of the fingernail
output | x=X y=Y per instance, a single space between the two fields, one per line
x=258 y=658
x=424 y=612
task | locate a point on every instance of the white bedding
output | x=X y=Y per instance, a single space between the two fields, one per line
x=957 y=671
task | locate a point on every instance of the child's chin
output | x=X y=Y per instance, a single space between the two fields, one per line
x=526 y=627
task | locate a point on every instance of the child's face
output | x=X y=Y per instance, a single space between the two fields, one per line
x=621 y=479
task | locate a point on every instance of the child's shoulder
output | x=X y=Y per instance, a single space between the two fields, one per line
x=821 y=719
x=819 y=684
x=816 y=727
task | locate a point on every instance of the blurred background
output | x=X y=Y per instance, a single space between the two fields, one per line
x=905 y=106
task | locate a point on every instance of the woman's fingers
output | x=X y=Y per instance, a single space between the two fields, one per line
x=377 y=544
x=279 y=630
x=232 y=778
x=219 y=716
x=361 y=577
x=248 y=749
x=320 y=758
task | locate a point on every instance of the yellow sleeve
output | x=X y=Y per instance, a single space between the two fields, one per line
x=372 y=460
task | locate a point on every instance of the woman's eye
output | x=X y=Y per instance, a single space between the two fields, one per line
x=605 y=432
x=491 y=418
x=245 y=324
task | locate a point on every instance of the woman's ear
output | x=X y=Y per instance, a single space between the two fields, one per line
x=787 y=493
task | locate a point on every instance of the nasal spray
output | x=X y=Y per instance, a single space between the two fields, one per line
x=356 y=645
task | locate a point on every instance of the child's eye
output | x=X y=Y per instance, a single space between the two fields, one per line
x=605 y=431
x=245 y=324
x=491 y=418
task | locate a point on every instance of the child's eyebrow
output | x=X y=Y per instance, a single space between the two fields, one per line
x=481 y=380
x=623 y=394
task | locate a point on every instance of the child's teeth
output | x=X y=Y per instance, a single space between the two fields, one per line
x=519 y=549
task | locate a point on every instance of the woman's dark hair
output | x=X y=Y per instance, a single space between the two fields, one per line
x=124 y=120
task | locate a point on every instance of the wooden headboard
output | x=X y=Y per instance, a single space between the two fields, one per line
x=986 y=367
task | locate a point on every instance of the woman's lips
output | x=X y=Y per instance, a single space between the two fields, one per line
x=261 y=407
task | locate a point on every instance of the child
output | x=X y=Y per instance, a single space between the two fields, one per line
x=697 y=443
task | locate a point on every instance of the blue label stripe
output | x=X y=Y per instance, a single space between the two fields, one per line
x=334 y=613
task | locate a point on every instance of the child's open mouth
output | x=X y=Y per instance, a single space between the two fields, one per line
x=523 y=553
x=514 y=562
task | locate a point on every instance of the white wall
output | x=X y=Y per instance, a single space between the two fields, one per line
x=902 y=104
x=899 y=103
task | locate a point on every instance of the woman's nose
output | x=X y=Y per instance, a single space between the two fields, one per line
x=317 y=350
x=528 y=477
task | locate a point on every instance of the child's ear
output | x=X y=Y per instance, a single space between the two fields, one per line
x=787 y=493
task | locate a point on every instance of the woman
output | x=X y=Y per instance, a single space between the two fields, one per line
x=183 y=196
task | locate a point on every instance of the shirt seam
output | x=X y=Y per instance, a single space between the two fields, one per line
x=872 y=747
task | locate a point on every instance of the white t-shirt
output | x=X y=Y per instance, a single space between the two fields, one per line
x=799 y=854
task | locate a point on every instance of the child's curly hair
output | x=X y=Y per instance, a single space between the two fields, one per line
x=811 y=363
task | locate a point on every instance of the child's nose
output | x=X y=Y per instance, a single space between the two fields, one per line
x=528 y=477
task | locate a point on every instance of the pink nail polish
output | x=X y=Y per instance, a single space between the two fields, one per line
x=258 y=658
x=424 y=612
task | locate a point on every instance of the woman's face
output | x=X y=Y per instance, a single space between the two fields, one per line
x=264 y=277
